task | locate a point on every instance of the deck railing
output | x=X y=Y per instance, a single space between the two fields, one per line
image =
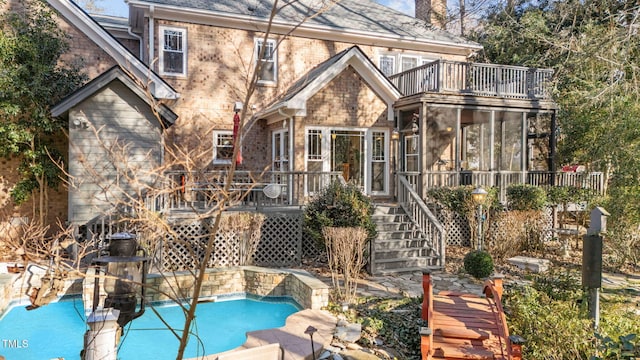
x=444 y=76
x=251 y=189
x=503 y=179
x=429 y=228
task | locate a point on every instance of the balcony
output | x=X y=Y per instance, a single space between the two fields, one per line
x=461 y=78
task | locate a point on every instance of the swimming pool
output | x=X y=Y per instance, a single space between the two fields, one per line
x=57 y=330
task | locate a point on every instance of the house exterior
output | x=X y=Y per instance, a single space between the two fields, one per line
x=344 y=89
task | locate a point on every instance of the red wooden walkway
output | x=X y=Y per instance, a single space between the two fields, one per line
x=465 y=326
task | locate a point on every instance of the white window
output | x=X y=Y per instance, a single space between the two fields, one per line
x=379 y=162
x=222 y=147
x=408 y=62
x=280 y=153
x=387 y=64
x=173 y=51
x=267 y=62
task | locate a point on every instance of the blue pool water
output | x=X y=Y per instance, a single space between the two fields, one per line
x=57 y=330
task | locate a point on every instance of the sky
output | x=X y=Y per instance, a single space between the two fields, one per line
x=118 y=7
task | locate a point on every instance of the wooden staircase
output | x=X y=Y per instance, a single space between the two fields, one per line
x=399 y=246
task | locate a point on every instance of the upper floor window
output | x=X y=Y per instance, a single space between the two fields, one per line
x=387 y=64
x=268 y=61
x=173 y=53
x=408 y=62
x=222 y=147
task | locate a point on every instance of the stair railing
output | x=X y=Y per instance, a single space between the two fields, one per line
x=430 y=230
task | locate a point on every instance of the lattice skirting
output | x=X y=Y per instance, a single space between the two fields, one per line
x=459 y=233
x=280 y=245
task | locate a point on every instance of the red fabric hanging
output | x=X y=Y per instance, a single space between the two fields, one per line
x=236 y=127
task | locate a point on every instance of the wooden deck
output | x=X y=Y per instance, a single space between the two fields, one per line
x=466 y=326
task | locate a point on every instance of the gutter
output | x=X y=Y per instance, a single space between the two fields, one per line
x=248 y=22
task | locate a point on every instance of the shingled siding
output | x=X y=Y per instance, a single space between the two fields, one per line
x=123 y=141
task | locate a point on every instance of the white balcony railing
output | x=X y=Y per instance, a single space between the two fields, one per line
x=445 y=76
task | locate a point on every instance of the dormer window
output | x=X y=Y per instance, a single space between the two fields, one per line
x=268 y=61
x=173 y=51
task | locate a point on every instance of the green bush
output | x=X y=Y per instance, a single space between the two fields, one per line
x=338 y=205
x=478 y=264
x=559 y=329
x=458 y=199
x=526 y=197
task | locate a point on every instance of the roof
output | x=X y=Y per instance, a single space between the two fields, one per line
x=317 y=78
x=363 y=18
x=114 y=74
x=88 y=26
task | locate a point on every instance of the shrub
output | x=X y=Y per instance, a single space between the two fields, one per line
x=338 y=205
x=478 y=264
x=526 y=197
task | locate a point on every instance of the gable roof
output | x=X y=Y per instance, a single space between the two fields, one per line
x=88 y=26
x=295 y=99
x=363 y=22
x=114 y=74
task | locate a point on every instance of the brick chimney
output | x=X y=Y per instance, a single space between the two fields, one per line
x=433 y=12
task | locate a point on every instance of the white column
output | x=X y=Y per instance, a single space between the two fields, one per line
x=101 y=340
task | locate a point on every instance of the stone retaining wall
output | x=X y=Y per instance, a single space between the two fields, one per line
x=301 y=286
x=306 y=290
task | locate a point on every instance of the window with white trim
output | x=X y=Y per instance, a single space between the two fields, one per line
x=173 y=51
x=408 y=62
x=222 y=147
x=379 y=162
x=268 y=62
x=387 y=64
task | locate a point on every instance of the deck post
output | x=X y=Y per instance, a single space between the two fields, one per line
x=426 y=333
x=516 y=342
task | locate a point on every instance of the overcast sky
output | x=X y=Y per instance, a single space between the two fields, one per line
x=118 y=7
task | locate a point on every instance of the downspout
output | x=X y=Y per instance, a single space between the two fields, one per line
x=139 y=38
x=289 y=119
x=152 y=40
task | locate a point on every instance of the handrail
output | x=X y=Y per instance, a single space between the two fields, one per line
x=482 y=79
x=428 y=225
x=490 y=290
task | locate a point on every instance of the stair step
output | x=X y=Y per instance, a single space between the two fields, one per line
x=387 y=209
x=389 y=226
x=400 y=235
x=461 y=352
x=403 y=253
x=395 y=244
x=404 y=270
x=389 y=218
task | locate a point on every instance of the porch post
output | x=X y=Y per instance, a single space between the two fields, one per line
x=458 y=156
x=552 y=148
x=422 y=135
x=492 y=181
x=523 y=149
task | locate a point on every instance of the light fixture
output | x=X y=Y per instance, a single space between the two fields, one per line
x=333 y=136
x=125 y=273
x=395 y=134
x=479 y=195
x=310 y=331
x=414 y=123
